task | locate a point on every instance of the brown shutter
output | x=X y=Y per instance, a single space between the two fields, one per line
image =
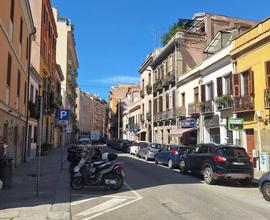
x=236 y=84
x=202 y=93
x=251 y=82
x=219 y=86
x=268 y=74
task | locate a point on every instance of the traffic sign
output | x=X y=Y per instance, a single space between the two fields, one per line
x=63 y=115
x=236 y=124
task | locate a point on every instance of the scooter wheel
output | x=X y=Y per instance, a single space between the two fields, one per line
x=119 y=182
x=76 y=183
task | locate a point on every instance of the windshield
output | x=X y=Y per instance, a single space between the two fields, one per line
x=84 y=141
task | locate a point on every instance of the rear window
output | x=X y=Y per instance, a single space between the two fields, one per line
x=182 y=149
x=143 y=144
x=233 y=152
x=156 y=146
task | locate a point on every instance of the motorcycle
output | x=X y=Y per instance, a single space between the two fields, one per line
x=76 y=153
x=98 y=173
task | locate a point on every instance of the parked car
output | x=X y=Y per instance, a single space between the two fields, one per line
x=264 y=186
x=149 y=153
x=125 y=145
x=217 y=162
x=136 y=146
x=170 y=155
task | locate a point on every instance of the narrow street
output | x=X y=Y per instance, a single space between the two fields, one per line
x=155 y=192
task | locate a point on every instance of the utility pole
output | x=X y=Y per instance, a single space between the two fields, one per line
x=119 y=109
x=39 y=140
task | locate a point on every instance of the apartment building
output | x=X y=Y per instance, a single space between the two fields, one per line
x=92 y=114
x=16 y=35
x=43 y=60
x=59 y=129
x=250 y=86
x=146 y=77
x=68 y=60
x=182 y=53
x=116 y=96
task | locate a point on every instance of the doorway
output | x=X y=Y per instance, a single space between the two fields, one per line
x=251 y=144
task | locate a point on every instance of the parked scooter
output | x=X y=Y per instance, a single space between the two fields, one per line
x=98 y=173
x=76 y=153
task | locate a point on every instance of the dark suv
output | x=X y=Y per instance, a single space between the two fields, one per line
x=217 y=162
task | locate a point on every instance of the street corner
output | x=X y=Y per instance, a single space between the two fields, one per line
x=91 y=203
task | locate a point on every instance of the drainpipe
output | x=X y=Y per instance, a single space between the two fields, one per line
x=27 y=93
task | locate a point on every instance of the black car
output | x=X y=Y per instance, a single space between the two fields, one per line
x=125 y=145
x=170 y=155
x=217 y=162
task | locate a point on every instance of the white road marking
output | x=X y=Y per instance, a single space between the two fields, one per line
x=115 y=203
x=101 y=208
x=83 y=200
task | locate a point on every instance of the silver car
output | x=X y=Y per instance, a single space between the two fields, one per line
x=150 y=152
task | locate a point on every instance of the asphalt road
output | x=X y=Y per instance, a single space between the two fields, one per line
x=155 y=192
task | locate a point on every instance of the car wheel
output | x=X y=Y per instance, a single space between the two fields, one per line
x=146 y=157
x=137 y=155
x=266 y=191
x=245 y=182
x=170 y=163
x=208 y=175
x=182 y=167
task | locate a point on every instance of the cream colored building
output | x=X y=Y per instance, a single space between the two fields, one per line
x=16 y=27
x=66 y=57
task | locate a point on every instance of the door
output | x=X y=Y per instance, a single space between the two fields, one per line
x=192 y=157
x=29 y=141
x=163 y=154
x=250 y=145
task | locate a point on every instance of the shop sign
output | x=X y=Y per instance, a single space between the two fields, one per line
x=211 y=121
x=188 y=123
x=236 y=124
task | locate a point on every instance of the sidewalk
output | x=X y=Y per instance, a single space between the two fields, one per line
x=53 y=202
x=257 y=176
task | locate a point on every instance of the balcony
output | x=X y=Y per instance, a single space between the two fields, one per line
x=267 y=98
x=148 y=116
x=244 y=104
x=157 y=86
x=224 y=102
x=157 y=116
x=149 y=89
x=142 y=93
x=164 y=115
x=194 y=108
x=168 y=80
x=207 y=107
x=58 y=99
x=181 y=112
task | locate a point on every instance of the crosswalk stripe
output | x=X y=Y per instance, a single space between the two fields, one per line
x=101 y=207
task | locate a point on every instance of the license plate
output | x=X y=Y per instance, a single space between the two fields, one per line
x=238 y=163
x=122 y=172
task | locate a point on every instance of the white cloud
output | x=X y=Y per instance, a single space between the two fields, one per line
x=120 y=79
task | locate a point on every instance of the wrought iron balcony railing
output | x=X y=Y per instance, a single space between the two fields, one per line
x=181 y=111
x=244 y=103
x=194 y=108
x=207 y=107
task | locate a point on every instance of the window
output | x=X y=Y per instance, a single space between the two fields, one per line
x=227 y=87
x=167 y=102
x=27 y=48
x=160 y=103
x=203 y=149
x=50 y=31
x=268 y=74
x=9 y=69
x=244 y=82
x=18 y=83
x=12 y=10
x=21 y=30
x=183 y=99
x=149 y=79
x=196 y=95
x=173 y=98
x=5 y=132
x=45 y=18
x=209 y=92
x=25 y=92
x=219 y=86
x=31 y=93
x=44 y=50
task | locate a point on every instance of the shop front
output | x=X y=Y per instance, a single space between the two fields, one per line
x=211 y=129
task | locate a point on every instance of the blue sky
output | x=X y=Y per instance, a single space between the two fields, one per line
x=113 y=37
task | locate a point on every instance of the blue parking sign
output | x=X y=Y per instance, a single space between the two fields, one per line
x=63 y=115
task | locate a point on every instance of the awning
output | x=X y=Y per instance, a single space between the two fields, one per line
x=179 y=132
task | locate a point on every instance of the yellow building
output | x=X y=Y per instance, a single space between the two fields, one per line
x=251 y=86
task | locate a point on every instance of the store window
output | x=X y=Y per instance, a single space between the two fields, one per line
x=215 y=135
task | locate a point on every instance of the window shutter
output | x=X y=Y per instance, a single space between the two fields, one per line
x=219 y=86
x=236 y=84
x=212 y=90
x=251 y=82
x=202 y=93
x=231 y=84
x=268 y=74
